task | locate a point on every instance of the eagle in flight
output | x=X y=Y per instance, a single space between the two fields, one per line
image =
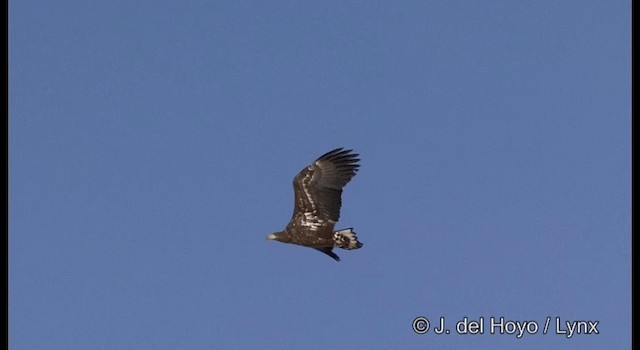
x=317 y=190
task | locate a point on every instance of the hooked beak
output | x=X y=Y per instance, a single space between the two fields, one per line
x=271 y=237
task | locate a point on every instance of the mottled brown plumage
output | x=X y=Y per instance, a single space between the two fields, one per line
x=317 y=192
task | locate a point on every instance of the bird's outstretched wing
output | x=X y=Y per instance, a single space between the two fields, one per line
x=318 y=189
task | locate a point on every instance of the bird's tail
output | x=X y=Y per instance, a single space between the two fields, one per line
x=346 y=239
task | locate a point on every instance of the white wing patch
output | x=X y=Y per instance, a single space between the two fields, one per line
x=312 y=221
x=305 y=188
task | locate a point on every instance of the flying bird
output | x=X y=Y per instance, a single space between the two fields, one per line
x=317 y=191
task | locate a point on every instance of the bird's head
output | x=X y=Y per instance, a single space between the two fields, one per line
x=276 y=236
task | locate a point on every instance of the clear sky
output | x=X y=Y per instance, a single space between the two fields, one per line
x=153 y=144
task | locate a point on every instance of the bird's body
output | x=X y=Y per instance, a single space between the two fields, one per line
x=317 y=191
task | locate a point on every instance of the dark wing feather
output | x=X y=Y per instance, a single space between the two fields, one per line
x=329 y=252
x=318 y=187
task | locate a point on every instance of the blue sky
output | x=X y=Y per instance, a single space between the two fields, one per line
x=152 y=146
